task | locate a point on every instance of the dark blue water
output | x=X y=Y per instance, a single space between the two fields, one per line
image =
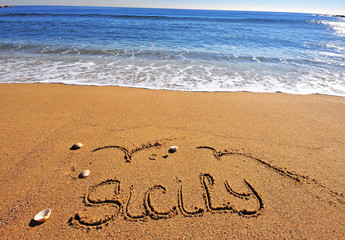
x=190 y=50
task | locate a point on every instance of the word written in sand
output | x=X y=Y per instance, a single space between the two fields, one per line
x=106 y=201
x=122 y=207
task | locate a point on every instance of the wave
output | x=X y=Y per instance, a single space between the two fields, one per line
x=175 y=75
x=158 y=55
x=338 y=26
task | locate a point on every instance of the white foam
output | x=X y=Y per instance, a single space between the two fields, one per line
x=184 y=75
x=337 y=26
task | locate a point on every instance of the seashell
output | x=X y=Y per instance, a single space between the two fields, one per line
x=158 y=143
x=77 y=146
x=84 y=174
x=43 y=215
x=173 y=149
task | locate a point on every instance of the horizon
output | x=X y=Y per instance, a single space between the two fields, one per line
x=317 y=7
x=196 y=9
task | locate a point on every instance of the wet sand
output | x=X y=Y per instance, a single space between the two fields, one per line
x=249 y=165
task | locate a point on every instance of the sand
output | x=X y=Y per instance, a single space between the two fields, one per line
x=249 y=165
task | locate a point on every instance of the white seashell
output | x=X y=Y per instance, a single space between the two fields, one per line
x=173 y=149
x=43 y=215
x=84 y=174
x=77 y=146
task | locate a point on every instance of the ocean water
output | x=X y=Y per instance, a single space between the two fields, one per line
x=188 y=50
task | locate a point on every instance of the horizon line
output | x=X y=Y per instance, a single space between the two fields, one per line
x=197 y=9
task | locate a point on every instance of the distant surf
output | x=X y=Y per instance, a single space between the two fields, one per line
x=187 y=50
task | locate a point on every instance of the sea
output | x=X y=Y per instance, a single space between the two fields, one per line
x=173 y=49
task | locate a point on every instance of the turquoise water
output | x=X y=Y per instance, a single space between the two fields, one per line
x=190 y=50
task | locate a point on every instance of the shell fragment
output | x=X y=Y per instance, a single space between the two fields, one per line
x=43 y=215
x=77 y=146
x=173 y=149
x=84 y=174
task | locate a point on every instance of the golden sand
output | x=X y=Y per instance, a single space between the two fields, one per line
x=248 y=165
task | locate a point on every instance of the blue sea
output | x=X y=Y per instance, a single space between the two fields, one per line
x=186 y=50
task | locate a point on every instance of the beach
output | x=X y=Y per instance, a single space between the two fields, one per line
x=248 y=165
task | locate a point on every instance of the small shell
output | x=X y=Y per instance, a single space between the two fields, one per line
x=84 y=174
x=43 y=215
x=173 y=149
x=158 y=143
x=77 y=146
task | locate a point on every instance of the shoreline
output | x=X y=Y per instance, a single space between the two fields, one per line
x=177 y=90
x=249 y=165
